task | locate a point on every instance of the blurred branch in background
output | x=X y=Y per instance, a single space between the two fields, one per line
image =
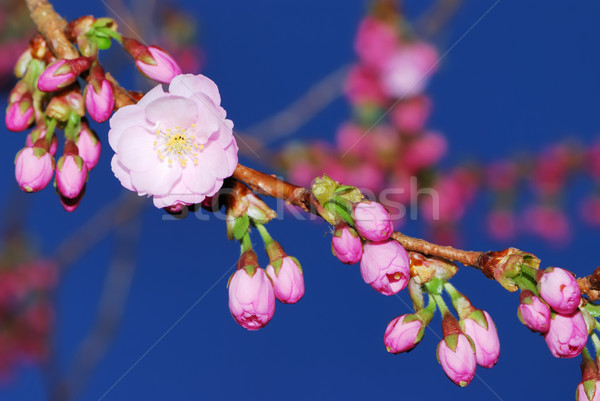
x=304 y=109
x=110 y=312
x=116 y=214
x=437 y=17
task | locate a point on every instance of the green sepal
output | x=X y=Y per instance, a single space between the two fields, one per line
x=277 y=266
x=39 y=152
x=102 y=40
x=435 y=286
x=297 y=263
x=349 y=192
x=240 y=226
x=590 y=322
x=79 y=162
x=590 y=388
x=60 y=163
x=250 y=270
x=451 y=341
x=338 y=208
x=593 y=309
x=479 y=318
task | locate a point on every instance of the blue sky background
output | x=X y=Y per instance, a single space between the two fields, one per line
x=525 y=76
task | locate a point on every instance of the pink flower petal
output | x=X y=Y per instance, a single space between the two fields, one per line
x=136 y=150
x=187 y=85
x=159 y=180
x=172 y=111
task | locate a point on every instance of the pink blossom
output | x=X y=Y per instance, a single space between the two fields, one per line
x=375 y=42
x=89 y=146
x=164 y=69
x=362 y=86
x=485 y=338
x=457 y=357
x=372 y=221
x=559 y=289
x=411 y=115
x=502 y=224
x=176 y=146
x=288 y=280
x=251 y=299
x=534 y=313
x=549 y=223
x=567 y=335
x=19 y=115
x=425 y=151
x=385 y=266
x=34 y=168
x=302 y=173
x=408 y=70
x=594 y=391
x=71 y=175
x=403 y=334
x=346 y=244
x=99 y=104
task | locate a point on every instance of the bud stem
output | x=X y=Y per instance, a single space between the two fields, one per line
x=264 y=234
x=461 y=303
x=245 y=243
x=50 y=126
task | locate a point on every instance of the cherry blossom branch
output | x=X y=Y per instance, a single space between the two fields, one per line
x=492 y=264
x=290 y=119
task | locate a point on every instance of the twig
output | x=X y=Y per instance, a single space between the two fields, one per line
x=110 y=311
x=289 y=120
x=274 y=187
x=115 y=214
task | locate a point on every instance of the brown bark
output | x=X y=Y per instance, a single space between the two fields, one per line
x=52 y=27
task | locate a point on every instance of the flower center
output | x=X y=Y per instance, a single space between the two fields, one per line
x=177 y=145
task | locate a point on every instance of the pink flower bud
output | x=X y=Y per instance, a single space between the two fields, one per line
x=251 y=299
x=567 y=335
x=71 y=174
x=373 y=221
x=152 y=61
x=403 y=334
x=456 y=355
x=533 y=312
x=288 y=280
x=559 y=289
x=57 y=75
x=99 y=100
x=20 y=115
x=346 y=245
x=89 y=146
x=385 y=266
x=34 y=168
x=482 y=330
x=588 y=391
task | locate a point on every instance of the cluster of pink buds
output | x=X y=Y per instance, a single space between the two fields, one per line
x=253 y=290
x=48 y=96
x=549 y=305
